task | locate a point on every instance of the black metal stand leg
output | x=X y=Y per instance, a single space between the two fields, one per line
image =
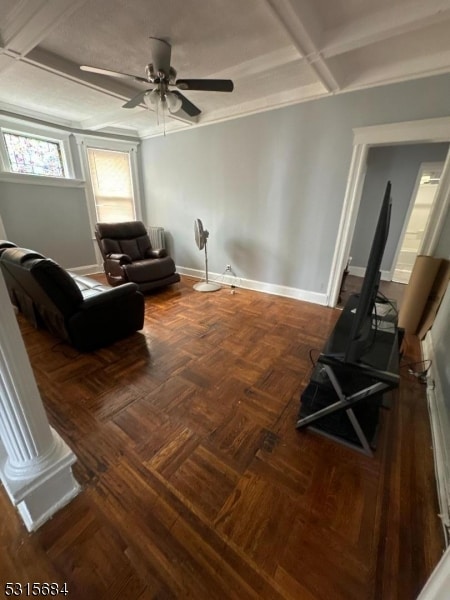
x=345 y=403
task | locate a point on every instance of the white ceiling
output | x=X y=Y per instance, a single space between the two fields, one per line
x=277 y=52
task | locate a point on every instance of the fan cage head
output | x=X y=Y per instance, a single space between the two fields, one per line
x=201 y=235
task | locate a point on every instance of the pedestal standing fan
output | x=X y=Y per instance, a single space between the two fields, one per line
x=201 y=237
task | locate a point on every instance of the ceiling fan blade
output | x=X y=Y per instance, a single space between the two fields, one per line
x=189 y=108
x=161 y=51
x=113 y=73
x=136 y=100
x=207 y=85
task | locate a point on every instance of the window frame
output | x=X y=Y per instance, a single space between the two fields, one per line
x=85 y=142
x=128 y=155
x=62 y=138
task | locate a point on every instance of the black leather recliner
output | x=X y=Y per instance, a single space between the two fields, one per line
x=128 y=256
x=4 y=244
x=79 y=310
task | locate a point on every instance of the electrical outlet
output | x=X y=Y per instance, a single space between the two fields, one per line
x=228 y=268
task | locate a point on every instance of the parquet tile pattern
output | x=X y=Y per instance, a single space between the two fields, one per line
x=196 y=483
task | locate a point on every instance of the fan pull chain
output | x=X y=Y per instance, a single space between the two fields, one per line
x=160 y=105
x=164 y=119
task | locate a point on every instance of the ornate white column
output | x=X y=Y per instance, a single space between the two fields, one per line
x=35 y=463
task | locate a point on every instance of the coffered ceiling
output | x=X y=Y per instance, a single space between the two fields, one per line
x=277 y=52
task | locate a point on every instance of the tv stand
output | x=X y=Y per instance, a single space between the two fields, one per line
x=343 y=399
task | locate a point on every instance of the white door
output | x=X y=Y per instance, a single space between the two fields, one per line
x=417 y=220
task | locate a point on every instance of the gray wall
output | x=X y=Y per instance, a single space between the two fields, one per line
x=400 y=165
x=270 y=187
x=52 y=220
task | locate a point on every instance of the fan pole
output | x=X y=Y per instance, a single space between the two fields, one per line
x=206 y=262
x=206 y=286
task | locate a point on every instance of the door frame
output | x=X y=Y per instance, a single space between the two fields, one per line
x=425 y=166
x=423 y=131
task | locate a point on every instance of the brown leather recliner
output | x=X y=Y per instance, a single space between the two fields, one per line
x=128 y=256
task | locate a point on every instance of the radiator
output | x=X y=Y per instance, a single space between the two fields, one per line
x=156 y=235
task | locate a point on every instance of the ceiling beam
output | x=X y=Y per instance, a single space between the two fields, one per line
x=278 y=99
x=108 y=119
x=261 y=64
x=43 y=120
x=16 y=112
x=6 y=61
x=302 y=26
x=122 y=115
x=30 y=21
x=384 y=24
x=300 y=17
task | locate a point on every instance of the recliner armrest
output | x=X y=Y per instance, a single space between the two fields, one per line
x=127 y=289
x=123 y=259
x=156 y=253
x=4 y=245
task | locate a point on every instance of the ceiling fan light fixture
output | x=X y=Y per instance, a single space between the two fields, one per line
x=174 y=103
x=152 y=99
x=155 y=101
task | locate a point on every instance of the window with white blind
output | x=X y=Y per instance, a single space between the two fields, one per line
x=112 y=185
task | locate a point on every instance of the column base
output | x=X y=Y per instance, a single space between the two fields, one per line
x=40 y=495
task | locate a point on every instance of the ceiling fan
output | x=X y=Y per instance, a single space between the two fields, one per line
x=163 y=76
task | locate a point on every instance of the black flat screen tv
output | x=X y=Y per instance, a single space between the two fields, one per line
x=361 y=327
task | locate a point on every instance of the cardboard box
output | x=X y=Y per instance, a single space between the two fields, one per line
x=434 y=300
x=423 y=294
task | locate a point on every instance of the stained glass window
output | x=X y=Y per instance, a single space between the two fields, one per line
x=33 y=155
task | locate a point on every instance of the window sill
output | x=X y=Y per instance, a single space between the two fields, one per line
x=40 y=180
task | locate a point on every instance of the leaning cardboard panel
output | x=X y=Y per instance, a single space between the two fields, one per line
x=435 y=296
x=417 y=291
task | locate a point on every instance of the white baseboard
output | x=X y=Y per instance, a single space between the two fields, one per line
x=259 y=286
x=361 y=272
x=239 y=282
x=440 y=431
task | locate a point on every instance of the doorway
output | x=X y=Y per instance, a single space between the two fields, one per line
x=417 y=220
x=426 y=131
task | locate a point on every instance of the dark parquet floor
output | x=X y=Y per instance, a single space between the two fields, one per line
x=195 y=482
